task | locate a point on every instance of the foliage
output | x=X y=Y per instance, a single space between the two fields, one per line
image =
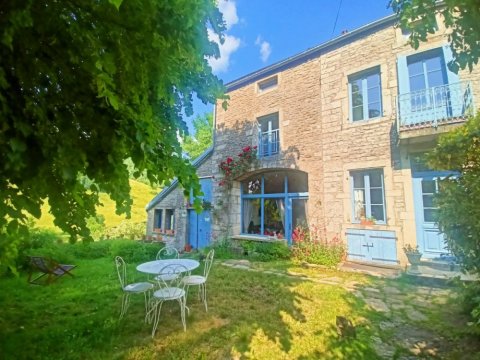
x=308 y=246
x=266 y=251
x=96 y=225
x=232 y=168
x=202 y=139
x=459 y=196
x=85 y=86
x=409 y=249
x=462 y=18
x=126 y=230
x=134 y=251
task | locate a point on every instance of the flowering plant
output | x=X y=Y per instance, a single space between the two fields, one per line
x=409 y=249
x=232 y=168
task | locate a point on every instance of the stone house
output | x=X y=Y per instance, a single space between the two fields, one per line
x=341 y=130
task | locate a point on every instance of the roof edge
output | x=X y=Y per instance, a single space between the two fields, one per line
x=307 y=54
x=196 y=163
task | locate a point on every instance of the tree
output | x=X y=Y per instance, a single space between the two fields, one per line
x=85 y=85
x=462 y=18
x=202 y=139
x=459 y=198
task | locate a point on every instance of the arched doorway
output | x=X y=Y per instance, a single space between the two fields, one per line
x=274 y=202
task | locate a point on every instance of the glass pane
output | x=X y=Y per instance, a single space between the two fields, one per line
x=251 y=216
x=428 y=201
x=374 y=110
x=375 y=179
x=297 y=182
x=274 y=182
x=252 y=185
x=376 y=196
x=268 y=122
x=417 y=82
x=436 y=78
x=357 y=113
x=358 y=180
x=357 y=99
x=299 y=213
x=415 y=68
x=373 y=95
x=373 y=80
x=378 y=213
x=430 y=215
x=274 y=215
x=434 y=63
x=359 y=204
x=428 y=186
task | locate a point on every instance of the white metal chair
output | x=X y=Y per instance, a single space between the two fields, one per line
x=173 y=289
x=201 y=281
x=167 y=252
x=128 y=289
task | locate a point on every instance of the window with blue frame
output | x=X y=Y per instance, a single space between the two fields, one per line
x=273 y=203
x=269 y=135
x=368 y=195
x=157 y=219
x=365 y=93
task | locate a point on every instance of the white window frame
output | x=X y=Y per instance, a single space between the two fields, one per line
x=367 y=200
x=362 y=75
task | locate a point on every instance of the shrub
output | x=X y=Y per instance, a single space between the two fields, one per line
x=40 y=242
x=134 y=251
x=126 y=230
x=91 y=250
x=267 y=251
x=308 y=246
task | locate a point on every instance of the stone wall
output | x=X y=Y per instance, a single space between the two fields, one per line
x=176 y=200
x=317 y=136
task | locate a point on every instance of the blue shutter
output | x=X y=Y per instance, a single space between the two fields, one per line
x=402 y=73
x=206 y=185
x=404 y=113
x=356 y=240
x=350 y=103
x=448 y=56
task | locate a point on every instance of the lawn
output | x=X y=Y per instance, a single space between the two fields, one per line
x=252 y=315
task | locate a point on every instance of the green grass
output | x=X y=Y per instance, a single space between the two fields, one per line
x=141 y=194
x=251 y=315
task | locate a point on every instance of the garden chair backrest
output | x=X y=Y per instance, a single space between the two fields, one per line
x=167 y=252
x=121 y=270
x=208 y=263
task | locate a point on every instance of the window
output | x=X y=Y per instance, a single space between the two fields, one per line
x=268 y=84
x=368 y=196
x=169 y=219
x=365 y=92
x=274 y=202
x=269 y=135
x=157 y=219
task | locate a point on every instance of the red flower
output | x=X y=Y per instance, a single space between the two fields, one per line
x=255 y=147
x=229 y=160
x=246 y=149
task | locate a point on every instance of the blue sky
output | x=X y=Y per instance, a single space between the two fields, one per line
x=263 y=32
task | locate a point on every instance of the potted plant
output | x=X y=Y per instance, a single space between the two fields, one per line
x=367 y=220
x=188 y=247
x=413 y=255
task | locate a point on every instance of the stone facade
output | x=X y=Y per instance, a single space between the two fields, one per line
x=318 y=138
x=175 y=200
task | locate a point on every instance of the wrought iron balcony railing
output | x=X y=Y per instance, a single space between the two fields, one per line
x=435 y=106
x=269 y=143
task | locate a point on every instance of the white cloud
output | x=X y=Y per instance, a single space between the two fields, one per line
x=231 y=43
x=229 y=46
x=229 y=11
x=265 y=48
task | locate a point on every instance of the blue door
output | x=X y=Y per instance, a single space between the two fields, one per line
x=199 y=225
x=372 y=246
x=430 y=240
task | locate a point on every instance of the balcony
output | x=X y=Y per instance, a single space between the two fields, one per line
x=268 y=143
x=426 y=113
